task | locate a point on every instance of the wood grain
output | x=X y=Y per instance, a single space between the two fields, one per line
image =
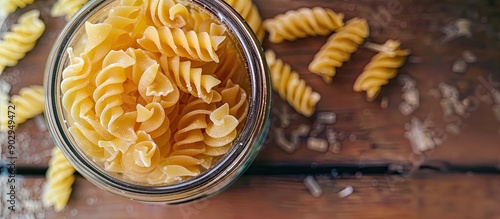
x=379 y=133
x=380 y=196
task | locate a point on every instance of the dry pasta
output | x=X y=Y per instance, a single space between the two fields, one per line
x=381 y=68
x=290 y=87
x=20 y=39
x=192 y=80
x=67 y=8
x=28 y=103
x=248 y=10
x=220 y=131
x=9 y=6
x=176 y=42
x=301 y=23
x=339 y=48
x=163 y=103
x=57 y=189
x=166 y=13
x=236 y=97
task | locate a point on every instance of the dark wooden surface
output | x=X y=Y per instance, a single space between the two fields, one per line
x=375 y=196
x=378 y=133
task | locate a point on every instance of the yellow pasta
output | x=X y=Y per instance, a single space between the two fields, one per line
x=381 y=68
x=191 y=80
x=220 y=131
x=175 y=42
x=144 y=95
x=290 y=87
x=28 y=103
x=236 y=97
x=301 y=23
x=66 y=8
x=57 y=190
x=248 y=10
x=166 y=13
x=9 y=6
x=339 y=48
x=141 y=158
x=75 y=86
x=107 y=96
x=20 y=39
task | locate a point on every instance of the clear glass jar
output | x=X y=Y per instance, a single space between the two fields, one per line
x=219 y=176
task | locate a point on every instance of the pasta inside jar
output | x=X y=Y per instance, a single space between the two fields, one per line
x=155 y=93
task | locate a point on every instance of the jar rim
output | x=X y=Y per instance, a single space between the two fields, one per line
x=212 y=180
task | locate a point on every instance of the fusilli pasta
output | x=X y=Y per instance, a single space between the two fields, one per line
x=248 y=10
x=107 y=95
x=28 y=103
x=175 y=42
x=57 y=190
x=166 y=13
x=191 y=80
x=339 y=48
x=149 y=107
x=20 y=39
x=301 y=23
x=236 y=97
x=381 y=68
x=67 y=8
x=9 y=6
x=290 y=87
x=220 y=131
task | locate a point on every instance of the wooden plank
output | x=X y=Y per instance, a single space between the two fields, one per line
x=378 y=196
x=377 y=134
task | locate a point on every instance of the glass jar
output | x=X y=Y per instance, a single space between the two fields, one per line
x=245 y=147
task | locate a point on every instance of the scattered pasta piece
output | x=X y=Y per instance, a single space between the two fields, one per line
x=338 y=48
x=303 y=22
x=250 y=13
x=290 y=87
x=28 y=104
x=57 y=189
x=67 y=8
x=21 y=39
x=381 y=68
x=313 y=186
x=9 y=6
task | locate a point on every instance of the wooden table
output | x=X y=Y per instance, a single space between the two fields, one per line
x=457 y=179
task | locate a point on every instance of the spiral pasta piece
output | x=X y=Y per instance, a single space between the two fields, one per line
x=116 y=32
x=189 y=136
x=66 y=8
x=339 y=48
x=248 y=10
x=21 y=39
x=141 y=158
x=175 y=42
x=236 y=97
x=381 y=68
x=9 y=6
x=107 y=96
x=188 y=143
x=57 y=190
x=290 y=87
x=75 y=86
x=220 y=131
x=166 y=13
x=191 y=80
x=303 y=22
x=28 y=103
